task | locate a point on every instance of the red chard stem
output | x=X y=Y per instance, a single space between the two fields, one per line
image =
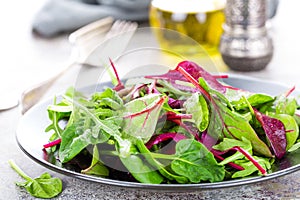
x=53 y=143
x=249 y=157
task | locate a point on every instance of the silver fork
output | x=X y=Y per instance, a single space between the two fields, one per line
x=85 y=41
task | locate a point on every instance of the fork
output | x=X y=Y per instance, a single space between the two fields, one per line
x=85 y=41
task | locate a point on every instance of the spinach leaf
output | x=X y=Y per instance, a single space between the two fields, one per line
x=197 y=106
x=57 y=112
x=196 y=163
x=138 y=167
x=162 y=168
x=284 y=105
x=253 y=99
x=97 y=167
x=42 y=187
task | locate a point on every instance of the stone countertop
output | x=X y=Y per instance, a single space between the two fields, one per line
x=36 y=58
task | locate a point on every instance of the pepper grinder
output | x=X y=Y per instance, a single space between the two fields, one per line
x=245 y=44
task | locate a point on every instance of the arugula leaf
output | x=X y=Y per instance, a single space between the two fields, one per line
x=42 y=187
x=79 y=135
x=107 y=98
x=295 y=146
x=57 y=112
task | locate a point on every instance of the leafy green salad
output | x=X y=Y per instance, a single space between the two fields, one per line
x=184 y=126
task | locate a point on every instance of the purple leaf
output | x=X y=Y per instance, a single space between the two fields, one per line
x=156 y=139
x=275 y=132
x=195 y=71
x=175 y=103
x=208 y=140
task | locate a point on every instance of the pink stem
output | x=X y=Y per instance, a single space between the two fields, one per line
x=120 y=84
x=171 y=116
x=249 y=157
x=221 y=76
x=156 y=139
x=231 y=164
x=53 y=143
x=194 y=82
x=161 y=101
x=290 y=91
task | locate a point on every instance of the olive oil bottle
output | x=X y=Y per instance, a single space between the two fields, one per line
x=201 y=20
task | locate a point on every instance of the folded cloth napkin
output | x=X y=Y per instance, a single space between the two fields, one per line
x=58 y=16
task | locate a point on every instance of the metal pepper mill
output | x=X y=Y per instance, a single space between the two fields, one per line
x=245 y=44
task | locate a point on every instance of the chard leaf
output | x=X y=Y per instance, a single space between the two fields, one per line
x=228 y=144
x=225 y=122
x=141 y=115
x=195 y=71
x=97 y=167
x=197 y=106
x=249 y=168
x=275 y=132
x=291 y=128
x=196 y=163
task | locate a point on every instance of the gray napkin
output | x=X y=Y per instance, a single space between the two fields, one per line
x=58 y=16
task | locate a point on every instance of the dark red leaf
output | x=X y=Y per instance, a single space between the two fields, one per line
x=195 y=71
x=156 y=139
x=275 y=132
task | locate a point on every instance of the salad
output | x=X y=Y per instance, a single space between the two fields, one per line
x=184 y=126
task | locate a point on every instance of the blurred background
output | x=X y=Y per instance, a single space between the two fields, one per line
x=35 y=46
